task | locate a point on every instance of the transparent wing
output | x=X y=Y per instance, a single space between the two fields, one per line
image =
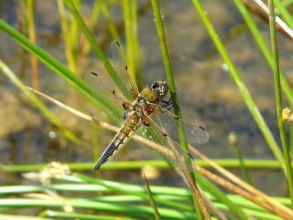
x=105 y=94
x=130 y=90
x=164 y=147
x=169 y=124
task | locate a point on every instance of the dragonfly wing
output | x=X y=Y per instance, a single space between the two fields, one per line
x=169 y=124
x=130 y=90
x=104 y=93
x=163 y=146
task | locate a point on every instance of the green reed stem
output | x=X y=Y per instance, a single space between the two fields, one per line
x=94 y=45
x=152 y=200
x=209 y=187
x=130 y=34
x=271 y=165
x=284 y=13
x=71 y=78
x=233 y=141
x=242 y=164
x=136 y=52
x=70 y=55
x=122 y=190
x=267 y=54
x=172 y=87
x=263 y=47
x=168 y=69
x=93 y=22
x=111 y=25
x=291 y=139
x=279 y=99
x=241 y=86
x=171 y=83
x=73 y=37
x=30 y=19
x=132 y=43
x=95 y=145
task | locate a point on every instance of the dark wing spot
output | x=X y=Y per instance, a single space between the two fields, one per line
x=190 y=155
x=126 y=68
x=117 y=43
x=113 y=92
x=95 y=74
x=95 y=120
x=202 y=128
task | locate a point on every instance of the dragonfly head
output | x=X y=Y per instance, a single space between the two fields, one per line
x=160 y=88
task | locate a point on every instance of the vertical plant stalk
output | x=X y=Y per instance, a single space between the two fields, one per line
x=261 y=43
x=233 y=141
x=279 y=98
x=93 y=44
x=136 y=53
x=73 y=38
x=132 y=45
x=95 y=144
x=93 y=22
x=267 y=53
x=71 y=58
x=199 y=204
x=30 y=18
x=151 y=199
x=111 y=24
x=284 y=12
x=130 y=36
x=241 y=86
x=169 y=74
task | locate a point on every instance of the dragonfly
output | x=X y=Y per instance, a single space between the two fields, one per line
x=144 y=114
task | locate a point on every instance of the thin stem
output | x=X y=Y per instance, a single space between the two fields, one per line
x=93 y=23
x=284 y=12
x=111 y=25
x=70 y=56
x=241 y=86
x=130 y=20
x=234 y=142
x=93 y=43
x=279 y=99
x=169 y=74
x=199 y=205
x=261 y=43
x=30 y=4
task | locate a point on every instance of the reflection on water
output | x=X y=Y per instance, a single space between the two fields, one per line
x=206 y=91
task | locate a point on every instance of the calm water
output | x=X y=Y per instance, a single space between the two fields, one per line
x=207 y=93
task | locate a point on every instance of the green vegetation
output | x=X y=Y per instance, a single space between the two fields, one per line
x=67 y=193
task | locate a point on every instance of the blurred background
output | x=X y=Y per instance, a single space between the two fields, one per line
x=207 y=94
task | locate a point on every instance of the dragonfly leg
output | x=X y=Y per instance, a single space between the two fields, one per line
x=167 y=103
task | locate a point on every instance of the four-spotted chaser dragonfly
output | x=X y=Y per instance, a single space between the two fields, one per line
x=142 y=114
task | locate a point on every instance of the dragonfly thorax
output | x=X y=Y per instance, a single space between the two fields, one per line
x=155 y=93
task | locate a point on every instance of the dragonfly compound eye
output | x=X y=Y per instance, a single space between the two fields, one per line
x=160 y=87
x=164 y=88
x=155 y=85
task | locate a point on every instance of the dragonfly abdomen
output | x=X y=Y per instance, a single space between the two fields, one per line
x=130 y=125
